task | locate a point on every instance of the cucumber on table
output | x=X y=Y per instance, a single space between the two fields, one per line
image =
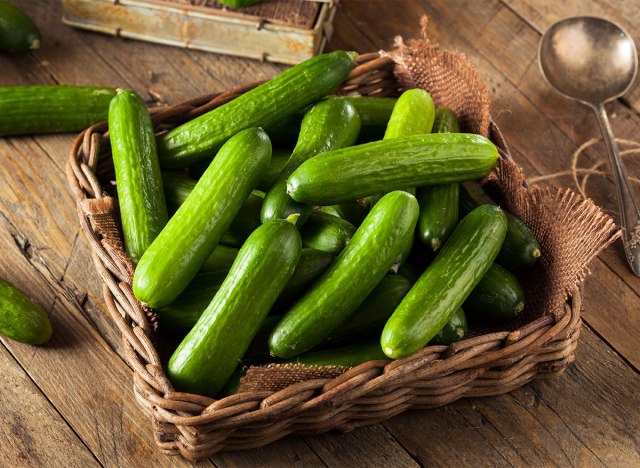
x=194 y=231
x=497 y=298
x=143 y=210
x=32 y=109
x=454 y=330
x=446 y=283
x=263 y=106
x=21 y=319
x=350 y=279
x=18 y=32
x=388 y=165
x=327 y=233
x=208 y=355
x=330 y=124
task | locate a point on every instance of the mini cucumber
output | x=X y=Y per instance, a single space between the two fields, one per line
x=521 y=248
x=263 y=106
x=220 y=259
x=353 y=211
x=497 y=298
x=439 y=203
x=388 y=165
x=327 y=233
x=330 y=124
x=349 y=356
x=374 y=114
x=21 y=319
x=208 y=355
x=312 y=264
x=18 y=32
x=446 y=283
x=454 y=330
x=52 y=108
x=350 y=279
x=193 y=232
x=239 y=3
x=143 y=210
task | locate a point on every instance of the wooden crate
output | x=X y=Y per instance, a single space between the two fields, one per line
x=284 y=31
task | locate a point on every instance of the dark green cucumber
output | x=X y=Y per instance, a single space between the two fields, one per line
x=331 y=124
x=521 y=248
x=312 y=264
x=285 y=132
x=52 y=108
x=327 y=233
x=353 y=211
x=265 y=105
x=194 y=231
x=208 y=355
x=454 y=330
x=350 y=279
x=177 y=188
x=355 y=172
x=349 y=356
x=369 y=318
x=143 y=210
x=239 y=3
x=220 y=259
x=374 y=114
x=413 y=114
x=497 y=298
x=446 y=283
x=445 y=121
x=18 y=32
x=21 y=319
x=439 y=203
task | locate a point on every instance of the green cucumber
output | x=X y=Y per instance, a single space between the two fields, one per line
x=327 y=233
x=446 y=283
x=353 y=211
x=52 y=108
x=331 y=124
x=454 y=330
x=374 y=114
x=21 y=319
x=413 y=114
x=387 y=165
x=350 y=279
x=239 y=3
x=208 y=355
x=403 y=256
x=439 y=203
x=194 y=231
x=177 y=188
x=18 y=32
x=220 y=259
x=369 y=318
x=265 y=105
x=497 y=298
x=143 y=210
x=312 y=264
x=521 y=248
x=349 y=356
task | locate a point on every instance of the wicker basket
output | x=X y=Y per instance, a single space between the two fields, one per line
x=197 y=426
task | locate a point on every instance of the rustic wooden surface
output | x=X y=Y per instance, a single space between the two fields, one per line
x=70 y=403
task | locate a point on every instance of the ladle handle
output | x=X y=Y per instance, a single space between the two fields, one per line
x=627 y=201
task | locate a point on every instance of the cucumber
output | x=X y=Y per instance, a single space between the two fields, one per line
x=446 y=283
x=327 y=233
x=497 y=298
x=374 y=114
x=413 y=114
x=353 y=211
x=403 y=256
x=349 y=356
x=350 y=279
x=52 y=108
x=143 y=210
x=387 y=165
x=454 y=330
x=265 y=105
x=177 y=188
x=310 y=267
x=330 y=124
x=220 y=259
x=369 y=318
x=521 y=248
x=174 y=258
x=239 y=3
x=439 y=203
x=18 y=32
x=21 y=319
x=208 y=355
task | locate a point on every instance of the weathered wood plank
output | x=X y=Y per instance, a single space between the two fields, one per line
x=290 y=451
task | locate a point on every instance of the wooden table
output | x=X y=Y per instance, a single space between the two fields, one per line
x=70 y=403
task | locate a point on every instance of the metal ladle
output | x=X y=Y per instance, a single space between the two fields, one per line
x=592 y=60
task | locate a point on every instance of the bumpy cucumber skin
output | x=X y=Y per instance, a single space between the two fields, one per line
x=413 y=114
x=18 y=32
x=446 y=283
x=361 y=266
x=454 y=330
x=327 y=233
x=349 y=356
x=143 y=210
x=369 y=318
x=52 y=108
x=521 y=248
x=359 y=171
x=331 y=124
x=208 y=355
x=194 y=231
x=21 y=319
x=263 y=106
x=497 y=298
x=352 y=211
x=220 y=259
x=445 y=121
